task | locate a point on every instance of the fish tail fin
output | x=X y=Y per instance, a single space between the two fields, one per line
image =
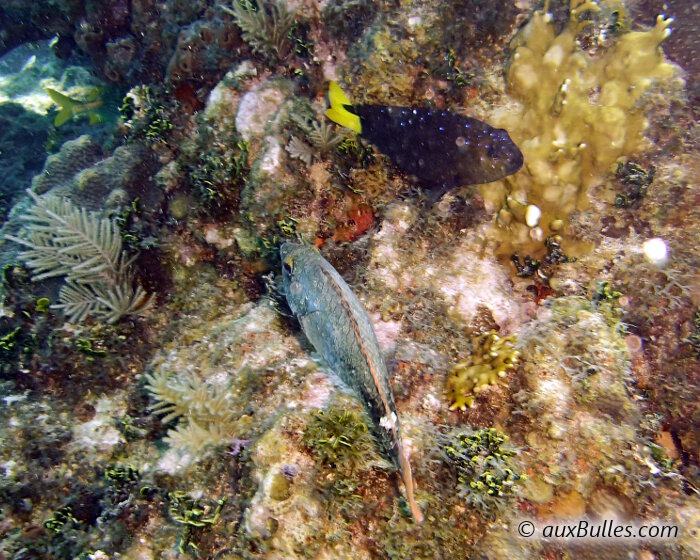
x=64 y=115
x=60 y=99
x=409 y=484
x=338 y=112
x=65 y=103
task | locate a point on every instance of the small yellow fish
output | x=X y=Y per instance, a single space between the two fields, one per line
x=71 y=107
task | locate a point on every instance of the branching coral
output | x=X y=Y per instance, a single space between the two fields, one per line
x=265 y=28
x=204 y=411
x=492 y=356
x=63 y=240
x=577 y=114
x=483 y=465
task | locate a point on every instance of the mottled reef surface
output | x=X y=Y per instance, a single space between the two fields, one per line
x=541 y=332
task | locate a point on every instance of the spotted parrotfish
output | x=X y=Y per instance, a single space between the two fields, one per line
x=441 y=148
x=336 y=324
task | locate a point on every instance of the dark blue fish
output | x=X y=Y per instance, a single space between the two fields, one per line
x=444 y=150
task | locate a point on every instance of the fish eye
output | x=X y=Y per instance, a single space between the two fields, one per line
x=288 y=265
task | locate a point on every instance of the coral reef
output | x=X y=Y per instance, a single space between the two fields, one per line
x=265 y=27
x=60 y=169
x=81 y=173
x=216 y=166
x=205 y=49
x=25 y=110
x=558 y=306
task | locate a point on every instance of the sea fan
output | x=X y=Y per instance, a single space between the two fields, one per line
x=106 y=302
x=324 y=138
x=64 y=240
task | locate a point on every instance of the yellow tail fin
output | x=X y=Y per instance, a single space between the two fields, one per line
x=338 y=113
x=60 y=99
x=66 y=104
x=64 y=115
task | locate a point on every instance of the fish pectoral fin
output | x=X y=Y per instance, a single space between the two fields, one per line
x=306 y=314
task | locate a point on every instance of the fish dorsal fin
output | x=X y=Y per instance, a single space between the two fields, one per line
x=338 y=112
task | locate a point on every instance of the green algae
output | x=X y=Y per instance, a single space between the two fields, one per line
x=340 y=438
x=485 y=471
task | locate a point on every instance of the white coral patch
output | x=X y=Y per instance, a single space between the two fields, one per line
x=271 y=159
x=431 y=403
x=318 y=391
x=175 y=460
x=554 y=393
x=99 y=433
x=256 y=109
x=387 y=332
x=469 y=282
x=221 y=101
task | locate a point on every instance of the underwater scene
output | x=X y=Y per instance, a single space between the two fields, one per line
x=349 y=280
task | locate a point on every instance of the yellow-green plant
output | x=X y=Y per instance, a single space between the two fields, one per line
x=492 y=356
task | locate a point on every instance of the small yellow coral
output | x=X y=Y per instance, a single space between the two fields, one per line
x=492 y=357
